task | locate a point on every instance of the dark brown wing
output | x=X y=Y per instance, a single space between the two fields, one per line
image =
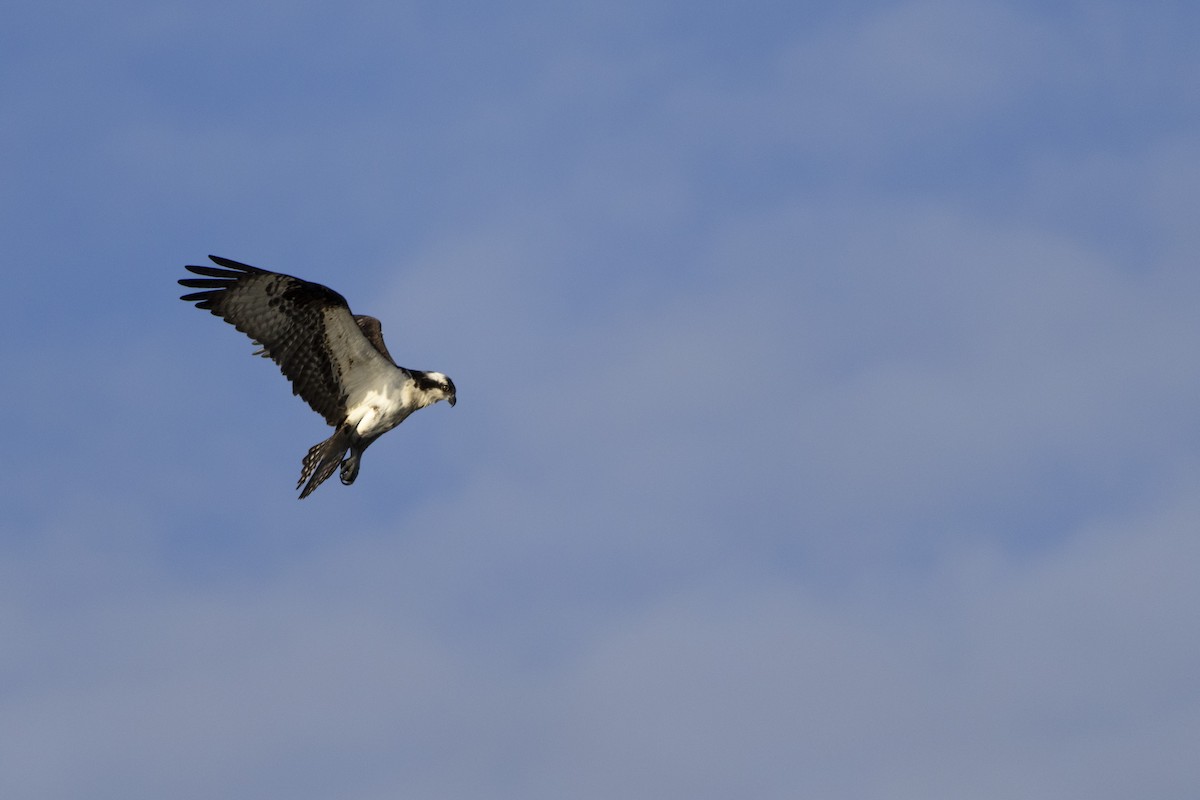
x=288 y=317
x=374 y=333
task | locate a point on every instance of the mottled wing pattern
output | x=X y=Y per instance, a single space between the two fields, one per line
x=287 y=317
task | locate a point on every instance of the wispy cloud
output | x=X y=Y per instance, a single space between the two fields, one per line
x=826 y=422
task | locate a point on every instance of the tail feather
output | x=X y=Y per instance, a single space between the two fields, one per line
x=323 y=459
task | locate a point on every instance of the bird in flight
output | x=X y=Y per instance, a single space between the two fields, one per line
x=337 y=361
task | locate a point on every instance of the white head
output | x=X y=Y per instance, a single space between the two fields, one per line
x=435 y=386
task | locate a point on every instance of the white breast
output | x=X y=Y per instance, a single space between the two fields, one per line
x=379 y=395
x=382 y=407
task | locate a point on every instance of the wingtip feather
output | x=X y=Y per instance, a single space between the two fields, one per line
x=235 y=265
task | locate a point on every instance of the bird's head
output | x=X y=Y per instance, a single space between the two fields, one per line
x=436 y=386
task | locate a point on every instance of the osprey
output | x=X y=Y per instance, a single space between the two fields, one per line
x=336 y=360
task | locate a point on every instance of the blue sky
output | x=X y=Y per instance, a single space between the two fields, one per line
x=827 y=420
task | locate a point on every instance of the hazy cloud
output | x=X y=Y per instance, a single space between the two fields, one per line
x=827 y=422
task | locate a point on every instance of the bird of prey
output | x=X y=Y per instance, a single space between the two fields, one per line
x=337 y=361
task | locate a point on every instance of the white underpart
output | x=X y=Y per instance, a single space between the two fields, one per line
x=380 y=409
x=379 y=395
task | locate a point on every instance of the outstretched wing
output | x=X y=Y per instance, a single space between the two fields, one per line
x=304 y=327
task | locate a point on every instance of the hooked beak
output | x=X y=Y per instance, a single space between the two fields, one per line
x=452 y=399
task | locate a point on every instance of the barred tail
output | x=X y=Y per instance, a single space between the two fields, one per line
x=323 y=459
